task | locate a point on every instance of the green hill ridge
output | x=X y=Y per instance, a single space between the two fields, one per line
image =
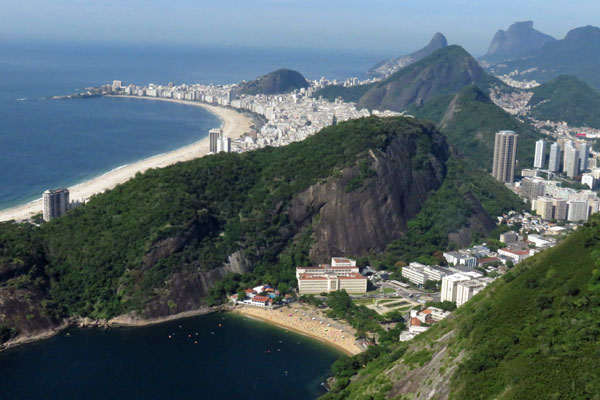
x=276 y=82
x=533 y=334
x=470 y=120
x=565 y=98
x=444 y=72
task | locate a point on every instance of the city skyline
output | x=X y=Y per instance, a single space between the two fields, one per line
x=383 y=26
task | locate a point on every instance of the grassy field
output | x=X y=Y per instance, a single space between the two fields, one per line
x=364 y=302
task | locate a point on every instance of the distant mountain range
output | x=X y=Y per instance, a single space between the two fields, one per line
x=389 y=66
x=519 y=40
x=566 y=98
x=449 y=88
x=276 y=82
x=578 y=54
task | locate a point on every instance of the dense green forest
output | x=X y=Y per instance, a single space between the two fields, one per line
x=533 y=334
x=470 y=120
x=566 y=98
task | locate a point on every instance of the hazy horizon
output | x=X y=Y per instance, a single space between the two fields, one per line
x=382 y=26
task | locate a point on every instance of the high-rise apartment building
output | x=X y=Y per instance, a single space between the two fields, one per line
x=540 y=154
x=571 y=160
x=56 y=203
x=578 y=211
x=215 y=136
x=559 y=209
x=544 y=208
x=584 y=155
x=224 y=145
x=505 y=154
x=554 y=162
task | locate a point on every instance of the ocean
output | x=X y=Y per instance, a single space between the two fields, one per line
x=48 y=143
x=215 y=356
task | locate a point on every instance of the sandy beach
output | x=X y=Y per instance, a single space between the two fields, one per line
x=299 y=318
x=234 y=125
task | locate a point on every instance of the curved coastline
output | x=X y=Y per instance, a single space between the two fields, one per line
x=233 y=123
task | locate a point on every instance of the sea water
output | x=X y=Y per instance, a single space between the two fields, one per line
x=215 y=356
x=47 y=143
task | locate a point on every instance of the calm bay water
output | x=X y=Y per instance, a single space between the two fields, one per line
x=241 y=358
x=48 y=143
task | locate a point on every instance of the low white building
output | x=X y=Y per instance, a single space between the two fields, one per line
x=457 y=258
x=418 y=273
x=515 y=255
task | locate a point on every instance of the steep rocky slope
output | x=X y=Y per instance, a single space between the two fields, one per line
x=519 y=40
x=577 y=54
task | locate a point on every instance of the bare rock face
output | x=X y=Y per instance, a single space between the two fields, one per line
x=188 y=288
x=366 y=219
x=519 y=40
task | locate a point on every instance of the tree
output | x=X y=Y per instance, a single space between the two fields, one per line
x=241 y=295
x=284 y=288
x=431 y=285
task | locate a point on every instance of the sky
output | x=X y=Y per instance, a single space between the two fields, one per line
x=394 y=26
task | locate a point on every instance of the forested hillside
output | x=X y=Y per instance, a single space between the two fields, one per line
x=182 y=237
x=533 y=334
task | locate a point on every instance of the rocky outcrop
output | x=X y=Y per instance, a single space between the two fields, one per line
x=367 y=219
x=186 y=289
x=389 y=66
x=519 y=40
x=276 y=82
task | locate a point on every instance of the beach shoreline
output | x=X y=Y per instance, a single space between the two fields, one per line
x=233 y=124
x=307 y=327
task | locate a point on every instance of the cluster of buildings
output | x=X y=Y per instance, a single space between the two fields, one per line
x=260 y=296
x=548 y=197
x=420 y=321
x=575 y=157
x=289 y=117
x=341 y=274
x=217 y=142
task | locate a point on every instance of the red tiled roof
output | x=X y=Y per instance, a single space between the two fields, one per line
x=517 y=252
x=261 y=299
x=415 y=322
x=488 y=259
